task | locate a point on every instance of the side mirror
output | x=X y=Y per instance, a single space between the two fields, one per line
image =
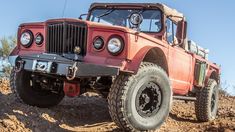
x=81 y=16
x=181 y=32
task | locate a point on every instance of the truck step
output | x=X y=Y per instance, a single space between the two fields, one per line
x=186 y=98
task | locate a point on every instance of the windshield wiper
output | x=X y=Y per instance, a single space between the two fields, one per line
x=106 y=13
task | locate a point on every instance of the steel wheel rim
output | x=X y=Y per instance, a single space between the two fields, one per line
x=148 y=100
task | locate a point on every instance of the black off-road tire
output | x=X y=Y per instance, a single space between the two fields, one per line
x=206 y=104
x=20 y=86
x=123 y=96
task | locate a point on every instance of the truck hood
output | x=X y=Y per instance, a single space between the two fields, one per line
x=89 y=24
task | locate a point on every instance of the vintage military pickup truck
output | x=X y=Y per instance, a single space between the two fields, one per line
x=136 y=54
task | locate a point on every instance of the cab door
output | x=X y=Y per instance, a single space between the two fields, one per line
x=180 y=70
x=180 y=63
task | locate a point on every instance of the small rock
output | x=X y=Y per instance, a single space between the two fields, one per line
x=9 y=123
x=213 y=123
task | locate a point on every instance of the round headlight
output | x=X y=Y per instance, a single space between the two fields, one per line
x=39 y=39
x=115 y=45
x=98 y=43
x=26 y=38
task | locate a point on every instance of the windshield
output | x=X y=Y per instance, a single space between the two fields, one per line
x=120 y=17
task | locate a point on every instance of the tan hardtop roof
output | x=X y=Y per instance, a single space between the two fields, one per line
x=167 y=10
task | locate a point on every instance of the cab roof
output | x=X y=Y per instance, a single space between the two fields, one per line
x=173 y=14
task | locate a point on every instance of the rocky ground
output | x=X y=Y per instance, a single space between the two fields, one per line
x=89 y=112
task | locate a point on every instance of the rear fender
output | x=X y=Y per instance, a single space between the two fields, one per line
x=212 y=74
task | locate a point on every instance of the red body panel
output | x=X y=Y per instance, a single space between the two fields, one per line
x=180 y=70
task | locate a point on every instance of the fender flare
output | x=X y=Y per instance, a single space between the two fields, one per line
x=134 y=64
x=212 y=73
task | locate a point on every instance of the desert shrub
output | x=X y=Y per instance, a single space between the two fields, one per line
x=7 y=70
x=7 y=45
x=223 y=90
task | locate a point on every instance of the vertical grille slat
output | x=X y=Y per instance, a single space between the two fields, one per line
x=63 y=37
x=83 y=32
x=57 y=37
x=73 y=37
x=75 y=40
x=67 y=38
x=54 y=38
x=70 y=39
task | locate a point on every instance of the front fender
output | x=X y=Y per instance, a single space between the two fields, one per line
x=13 y=56
x=15 y=51
x=134 y=64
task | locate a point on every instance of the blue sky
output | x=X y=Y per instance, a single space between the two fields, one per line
x=211 y=23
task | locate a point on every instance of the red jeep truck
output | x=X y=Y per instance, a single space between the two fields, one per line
x=138 y=54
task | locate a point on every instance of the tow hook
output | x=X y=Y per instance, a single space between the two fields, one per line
x=19 y=65
x=72 y=70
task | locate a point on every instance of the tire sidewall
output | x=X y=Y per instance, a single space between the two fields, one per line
x=159 y=77
x=21 y=85
x=213 y=88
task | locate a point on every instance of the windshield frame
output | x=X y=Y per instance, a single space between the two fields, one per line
x=132 y=8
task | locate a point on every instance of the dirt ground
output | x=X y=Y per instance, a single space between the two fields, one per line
x=89 y=112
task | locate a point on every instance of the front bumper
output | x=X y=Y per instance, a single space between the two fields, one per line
x=58 y=65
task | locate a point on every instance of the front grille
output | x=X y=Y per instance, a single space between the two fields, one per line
x=64 y=37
